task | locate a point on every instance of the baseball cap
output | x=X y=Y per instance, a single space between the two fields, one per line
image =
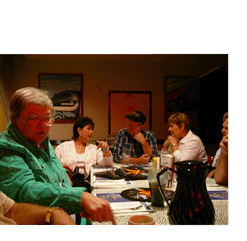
x=137 y=116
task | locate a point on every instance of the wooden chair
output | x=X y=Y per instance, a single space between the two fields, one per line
x=110 y=140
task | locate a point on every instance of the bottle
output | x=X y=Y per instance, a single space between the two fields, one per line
x=157 y=199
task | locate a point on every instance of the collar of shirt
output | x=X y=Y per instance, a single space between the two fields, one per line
x=182 y=141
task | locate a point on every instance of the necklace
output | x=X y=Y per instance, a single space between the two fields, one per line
x=80 y=148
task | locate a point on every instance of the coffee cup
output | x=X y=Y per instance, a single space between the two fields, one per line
x=141 y=220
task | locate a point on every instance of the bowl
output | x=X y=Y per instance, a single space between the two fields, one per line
x=141 y=220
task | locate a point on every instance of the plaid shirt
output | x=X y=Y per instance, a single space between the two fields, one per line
x=125 y=140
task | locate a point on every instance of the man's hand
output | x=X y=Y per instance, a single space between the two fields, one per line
x=147 y=149
x=139 y=137
x=144 y=159
x=224 y=145
x=221 y=167
x=96 y=209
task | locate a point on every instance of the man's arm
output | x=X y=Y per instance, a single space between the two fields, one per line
x=143 y=159
x=147 y=149
x=117 y=147
x=221 y=167
x=30 y=214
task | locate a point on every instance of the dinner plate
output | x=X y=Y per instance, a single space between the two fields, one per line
x=136 y=194
x=132 y=172
x=111 y=174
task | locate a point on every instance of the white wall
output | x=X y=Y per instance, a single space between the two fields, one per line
x=136 y=75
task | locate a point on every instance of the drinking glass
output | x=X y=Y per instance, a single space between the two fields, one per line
x=126 y=156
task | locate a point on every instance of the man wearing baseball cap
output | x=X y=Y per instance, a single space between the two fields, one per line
x=141 y=143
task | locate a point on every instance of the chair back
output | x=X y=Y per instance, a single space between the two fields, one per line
x=110 y=140
x=210 y=160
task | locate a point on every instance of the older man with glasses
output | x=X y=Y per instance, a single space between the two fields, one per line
x=30 y=172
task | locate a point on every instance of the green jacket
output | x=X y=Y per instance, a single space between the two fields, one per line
x=29 y=174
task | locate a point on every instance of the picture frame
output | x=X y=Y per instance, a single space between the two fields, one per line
x=173 y=83
x=66 y=93
x=176 y=98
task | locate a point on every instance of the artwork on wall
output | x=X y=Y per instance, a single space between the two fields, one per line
x=180 y=94
x=65 y=91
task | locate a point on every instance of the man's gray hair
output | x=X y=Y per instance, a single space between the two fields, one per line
x=26 y=96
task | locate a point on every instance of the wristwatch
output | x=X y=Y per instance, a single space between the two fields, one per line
x=49 y=213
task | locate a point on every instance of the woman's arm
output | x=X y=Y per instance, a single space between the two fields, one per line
x=189 y=151
x=38 y=186
x=30 y=214
x=104 y=157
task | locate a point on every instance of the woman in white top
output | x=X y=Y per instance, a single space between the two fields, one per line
x=182 y=142
x=77 y=156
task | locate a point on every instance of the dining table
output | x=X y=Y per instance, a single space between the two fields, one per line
x=160 y=213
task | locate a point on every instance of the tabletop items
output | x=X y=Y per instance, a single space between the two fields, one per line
x=122 y=206
x=157 y=199
x=135 y=196
x=126 y=172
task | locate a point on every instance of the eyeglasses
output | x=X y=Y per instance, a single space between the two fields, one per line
x=34 y=120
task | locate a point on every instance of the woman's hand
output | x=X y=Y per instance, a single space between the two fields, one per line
x=170 y=142
x=96 y=209
x=104 y=145
x=173 y=140
x=166 y=145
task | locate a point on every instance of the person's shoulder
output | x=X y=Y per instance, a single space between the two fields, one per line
x=4 y=136
x=65 y=144
x=122 y=132
x=194 y=136
x=7 y=141
x=149 y=132
x=92 y=146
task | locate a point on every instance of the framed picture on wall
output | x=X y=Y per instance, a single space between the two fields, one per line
x=180 y=94
x=65 y=91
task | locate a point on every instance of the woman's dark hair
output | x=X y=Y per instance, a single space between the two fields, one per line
x=81 y=122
